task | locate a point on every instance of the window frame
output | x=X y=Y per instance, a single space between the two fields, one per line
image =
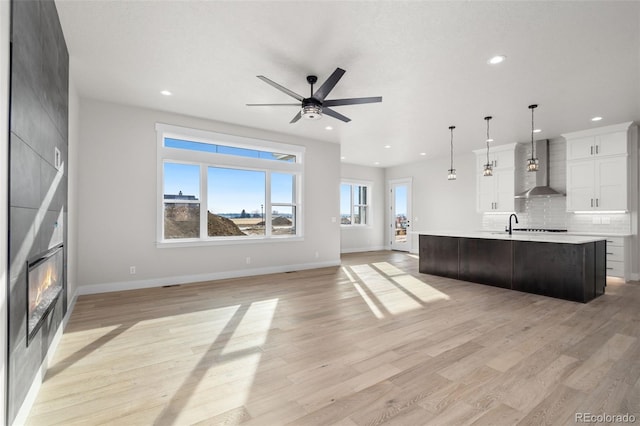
x=369 y=216
x=229 y=161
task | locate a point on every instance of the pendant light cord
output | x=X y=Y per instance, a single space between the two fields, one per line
x=532 y=147
x=533 y=154
x=487 y=118
x=451 y=128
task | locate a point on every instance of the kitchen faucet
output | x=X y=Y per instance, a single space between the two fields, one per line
x=516 y=217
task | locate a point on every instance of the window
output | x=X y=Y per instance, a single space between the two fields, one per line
x=214 y=187
x=354 y=204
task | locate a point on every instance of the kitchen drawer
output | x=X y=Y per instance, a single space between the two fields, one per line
x=615 y=253
x=615 y=268
x=615 y=241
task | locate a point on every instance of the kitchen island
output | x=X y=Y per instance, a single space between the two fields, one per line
x=568 y=267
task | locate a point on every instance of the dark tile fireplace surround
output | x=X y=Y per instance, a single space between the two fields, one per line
x=37 y=191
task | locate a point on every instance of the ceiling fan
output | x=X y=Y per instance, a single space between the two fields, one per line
x=315 y=105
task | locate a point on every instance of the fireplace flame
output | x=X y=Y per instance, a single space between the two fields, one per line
x=48 y=280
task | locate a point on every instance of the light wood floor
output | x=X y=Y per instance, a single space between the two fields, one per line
x=371 y=342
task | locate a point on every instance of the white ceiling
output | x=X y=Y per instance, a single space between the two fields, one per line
x=428 y=60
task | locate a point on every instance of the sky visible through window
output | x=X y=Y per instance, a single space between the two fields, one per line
x=401 y=200
x=345 y=200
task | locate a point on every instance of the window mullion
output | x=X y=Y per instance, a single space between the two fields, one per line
x=267 y=206
x=204 y=217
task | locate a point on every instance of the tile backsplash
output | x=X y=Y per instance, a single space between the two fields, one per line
x=550 y=213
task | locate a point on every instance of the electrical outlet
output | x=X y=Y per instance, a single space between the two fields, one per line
x=248 y=260
x=132 y=270
x=317 y=254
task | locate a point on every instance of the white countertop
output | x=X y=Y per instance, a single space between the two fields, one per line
x=519 y=236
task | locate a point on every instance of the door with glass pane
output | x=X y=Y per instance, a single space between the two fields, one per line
x=400 y=214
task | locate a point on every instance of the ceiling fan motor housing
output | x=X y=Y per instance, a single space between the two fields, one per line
x=311 y=109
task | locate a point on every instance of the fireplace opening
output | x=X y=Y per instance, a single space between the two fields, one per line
x=44 y=285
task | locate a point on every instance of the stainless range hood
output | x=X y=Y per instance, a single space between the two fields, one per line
x=542 y=188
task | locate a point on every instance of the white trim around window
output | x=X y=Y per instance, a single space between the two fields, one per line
x=272 y=159
x=360 y=204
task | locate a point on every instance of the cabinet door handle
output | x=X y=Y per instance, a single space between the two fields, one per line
x=597 y=202
x=596 y=149
x=592 y=202
x=591 y=149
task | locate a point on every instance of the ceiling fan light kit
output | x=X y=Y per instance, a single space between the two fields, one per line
x=315 y=106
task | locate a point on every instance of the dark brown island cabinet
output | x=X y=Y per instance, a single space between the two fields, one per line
x=565 y=267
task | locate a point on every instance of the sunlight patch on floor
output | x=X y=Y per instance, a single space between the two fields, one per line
x=228 y=383
x=387 y=294
x=421 y=290
x=387 y=289
x=254 y=327
x=388 y=269
x=370 y=303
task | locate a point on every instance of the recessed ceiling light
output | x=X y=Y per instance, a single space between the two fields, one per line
x=496 y=59
x=596 y=119
x=537 y=130
x=343 y=158
x=387 y=146
x=166 y=93
x=489 y=140
x=423 y=153
x=328 y=128
x=376 y=163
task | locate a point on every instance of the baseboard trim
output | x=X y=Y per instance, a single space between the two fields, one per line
x=187 y=279
x=362 y=249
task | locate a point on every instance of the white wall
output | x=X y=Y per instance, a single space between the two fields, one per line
x=117 y=206
x=4 y=185
x=358 y=239
x=437 y=203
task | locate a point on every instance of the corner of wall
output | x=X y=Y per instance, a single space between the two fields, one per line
x=5 y=18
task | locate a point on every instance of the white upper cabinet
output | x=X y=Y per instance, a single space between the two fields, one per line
x=597 y=168
x=495 y=194
x=598 y=145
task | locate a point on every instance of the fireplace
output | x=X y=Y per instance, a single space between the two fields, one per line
x=44 y=285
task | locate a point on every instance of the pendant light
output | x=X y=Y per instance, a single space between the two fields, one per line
x=532 y=163
x=488 y=168
x=452 y=171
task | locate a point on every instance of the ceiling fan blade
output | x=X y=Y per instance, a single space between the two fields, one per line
x=296 y=118
x=328 y=85
x=335 y=114
x=352 y=101
x=298 y=105
x=281 y=88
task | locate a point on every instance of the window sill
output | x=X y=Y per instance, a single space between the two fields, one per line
x=225 y=242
